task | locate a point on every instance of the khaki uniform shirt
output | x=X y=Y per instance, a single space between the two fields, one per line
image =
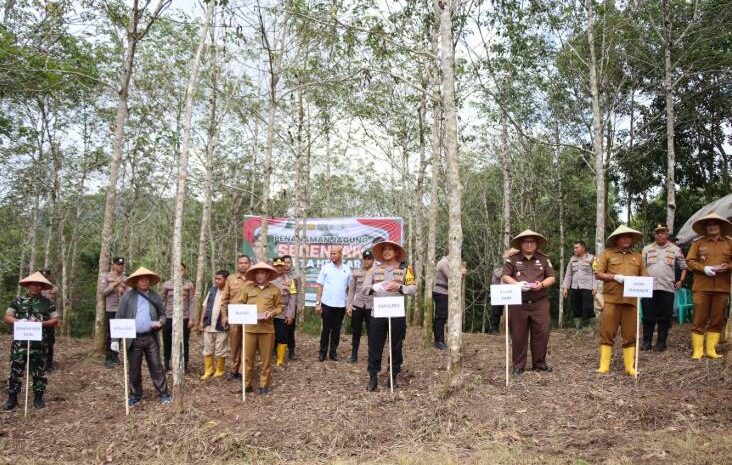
x=111 y=295
x=356 y=297
x=267 y=299
x=442 y=271
x=295 y=276
x=626 y=263
x=234 y=285
x=536 y=268
x=288 y=294
x=188 y=297
x=708 y=252
x=497 y=274
x=579 y=273
x=381 y=273
x=661 y=264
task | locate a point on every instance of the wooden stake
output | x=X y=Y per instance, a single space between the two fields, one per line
x=243 y=364
x=505 y=320
x=124 y=361
x=391 y=362
x=637 y=335
x=27 y=377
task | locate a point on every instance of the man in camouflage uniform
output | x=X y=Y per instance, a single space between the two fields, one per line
x=33 y=307
x=52 y=295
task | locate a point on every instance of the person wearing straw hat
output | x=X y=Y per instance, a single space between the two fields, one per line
x=234 y=283
x=710 y=259
x=142 y=304
x=288 y=295
x=113 y=286
x=661 y=258
x=359 y=305
x=33 y=307
x=534 y=271
x=387 y=279
x=260 y=291
x=615 y=263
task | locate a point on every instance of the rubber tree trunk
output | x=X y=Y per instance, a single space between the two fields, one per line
x=177 y=252
x=670 y=121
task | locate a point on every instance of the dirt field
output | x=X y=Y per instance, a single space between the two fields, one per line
x=679 y=412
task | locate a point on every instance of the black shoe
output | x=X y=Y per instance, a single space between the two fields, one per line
x=109 y=363
x=646 y=346
x=396 y=382
x=264 y=391
x=321 y=357
x=291 y=354
x=373 y=382
x=38 y=400
x=439 y=345
x=11 y=403
x=517 y=372
x=248 y=389
x=354 y=358
x=334 y=357
x=493 y=331
x=49 y=367
x=660 y=346
x=233 y=377
x=542 y=367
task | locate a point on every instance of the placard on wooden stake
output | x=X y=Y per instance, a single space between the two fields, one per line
x=27 y=331
x=243 y=314
x=638 y=287
x=389 y=307
x=506 y=294
x=123 y=328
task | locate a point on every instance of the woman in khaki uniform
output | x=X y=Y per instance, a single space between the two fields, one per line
x=710 y=259
x=260 y=337
x=615 y=263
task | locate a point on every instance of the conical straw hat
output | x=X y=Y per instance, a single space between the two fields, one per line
x=540 y=240
x=36 y=278
x=700 y=225
x=621 y=230
x=140 y=272
x=378 y=251
x=252 y=272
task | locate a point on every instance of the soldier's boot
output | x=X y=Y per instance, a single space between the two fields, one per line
x=697 y=345
x=281 y=352
x=38 y=400
x=220 y=367
x=647 y=337
x=629 y=361
x=662 y=336
x=207 y=367
x=606 y=353
x=712 y=341
x=354 y=355
x=11 y=403
x=373 y=382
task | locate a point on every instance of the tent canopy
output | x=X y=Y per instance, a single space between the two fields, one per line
x=722 y=207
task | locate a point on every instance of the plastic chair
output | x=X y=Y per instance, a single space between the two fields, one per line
x=685 y=305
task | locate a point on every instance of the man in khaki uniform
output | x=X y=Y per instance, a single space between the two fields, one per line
x=234 y=284
x=661 y=259
x=260 y=337
x=359 y=305
x=113 y=286
x=615 y=263
x=534 y=271
x=289 y=296
x=439 y=299
x=293 y=275
x=580 y=285
x=710 y=259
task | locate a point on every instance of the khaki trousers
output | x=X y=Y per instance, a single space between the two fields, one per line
x=235 y=345
x=614 y=315
x=264 y=344
x=709 y=308
x=216 y=343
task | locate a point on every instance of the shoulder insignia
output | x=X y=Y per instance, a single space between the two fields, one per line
x=409 y=276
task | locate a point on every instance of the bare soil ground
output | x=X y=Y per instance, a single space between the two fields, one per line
x=679 y=412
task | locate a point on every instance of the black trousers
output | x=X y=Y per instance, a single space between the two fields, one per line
x=50 y=342
x=168 y=341
x=111 y=355
x=440 y=320
x=378 y=334
x=290 y=333
x=145 y=344
x=496 y=314
x=657 y=310
x=583 y=305
x=331 y=334
x=359 y=316
x=280 y=331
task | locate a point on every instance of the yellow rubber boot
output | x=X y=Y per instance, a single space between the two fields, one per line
x=281 y=350
x=208 y=367
x=697 y=344
x=606 y=353
x=220 y=366
x=629 y=360
x=712 y=341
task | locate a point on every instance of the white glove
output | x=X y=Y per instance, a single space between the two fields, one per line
x=114 y=346
x=709 y=271
x=619 y=278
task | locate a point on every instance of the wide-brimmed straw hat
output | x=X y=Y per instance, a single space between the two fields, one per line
x=621 y=231
x=540 y=240
x=251 y=272
x=36 y=278
x=700 y=225
x=378 y=250
x=139 y=273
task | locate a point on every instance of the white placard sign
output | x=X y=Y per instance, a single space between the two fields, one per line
x=242 y=314
x=638 y=286
x=389 y=307
x=122 y=328
x=28 y=331
x=505 y=294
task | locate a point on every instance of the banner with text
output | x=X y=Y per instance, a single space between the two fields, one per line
x=319 y=235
